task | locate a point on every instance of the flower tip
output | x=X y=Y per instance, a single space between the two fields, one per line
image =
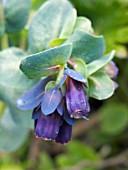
x=19 y=102
x=47 y=139
x=84 y=85
x=37 y=136
x=84 y=117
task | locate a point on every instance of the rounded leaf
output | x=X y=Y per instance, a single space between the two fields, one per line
x=47 y=62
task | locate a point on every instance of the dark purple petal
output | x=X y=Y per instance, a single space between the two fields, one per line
x=75 y=75
x=36 y=113
x=63 y=80
x=51 y=100
x=47 y=127
x=65 y=133
x=112 y=70
x=32 y=98
x=67 y=118
x=77 y=104
x=115 y=85
x=60 y=108
x=35 y=123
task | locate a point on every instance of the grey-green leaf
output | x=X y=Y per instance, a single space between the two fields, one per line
x=99 y=63
x=80 y=66
x=83 y=24
x=55 y=19
x=12 y=135
x=86 y=46
x=101 y=86
x=47 y=62
x=13 y=83
x=16 y=14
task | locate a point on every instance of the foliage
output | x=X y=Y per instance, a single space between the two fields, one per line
x=39 y=37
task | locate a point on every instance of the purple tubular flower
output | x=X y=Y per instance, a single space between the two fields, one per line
x=77 y=104
x=47 y=127
x=65 y=133
x=112 y=70
x=76 y=101
x=51 y=127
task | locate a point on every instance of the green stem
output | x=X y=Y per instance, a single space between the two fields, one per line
x=5 y=41
x=60 y=75
x=23 y=40
x=2 y=107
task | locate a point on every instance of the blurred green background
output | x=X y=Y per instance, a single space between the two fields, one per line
x=102 y=142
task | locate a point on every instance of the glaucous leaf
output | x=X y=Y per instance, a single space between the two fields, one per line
x=54 y=19
x=99 y=63
x=114 y=118
x=80 y=66
x=83 y=24
x=86 y=46
x=13 y=83
x=101 y=86
x=16 y=14
x=47 y=62
x=12 y=135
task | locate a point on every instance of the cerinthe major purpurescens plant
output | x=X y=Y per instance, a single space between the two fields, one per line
x=66 y=62
x=71 y=72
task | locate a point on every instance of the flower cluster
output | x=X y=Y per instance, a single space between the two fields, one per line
x=55 y=110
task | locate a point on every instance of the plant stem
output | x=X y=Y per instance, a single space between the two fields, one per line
x=5 y=41
x=2 y=107
x=60 y=75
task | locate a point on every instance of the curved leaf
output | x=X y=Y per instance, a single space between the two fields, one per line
x=14 y=84
x=101 y=86
x=47 y=62
x=86 y=46
x=83 y=24
x=16 y=14
x=55 y=19
x=99 y=63
x=12 y=135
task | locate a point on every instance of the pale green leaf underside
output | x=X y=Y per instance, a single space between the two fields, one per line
x=100 y=86
x=84 y=24
x=99 y=63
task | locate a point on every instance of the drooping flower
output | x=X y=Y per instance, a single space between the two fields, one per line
x=77 y=103
x=112 y=70
x=53 y=126
x=52 y=121
x=76 y=100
